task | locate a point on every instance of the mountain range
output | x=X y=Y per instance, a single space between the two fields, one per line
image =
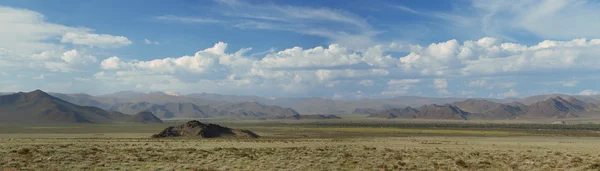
x=38 y=107
x=554 y=107
x=207 y=105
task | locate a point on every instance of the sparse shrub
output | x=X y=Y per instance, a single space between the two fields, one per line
x=576 y=160
x=24 y=151
x=558 y=153
x=461 y=163
x=595 y=166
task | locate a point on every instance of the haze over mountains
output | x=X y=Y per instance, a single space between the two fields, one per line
x=205 y=105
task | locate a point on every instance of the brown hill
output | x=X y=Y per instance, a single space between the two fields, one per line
x=477 y=105
x=169 y=110
x=195 y=128
x=365 y=111
x=319 y=117
x=38 y=107
x=441 y=112
x=501 y=112
x=406 y=112
x=145 y=117
x=552 y=108
x=254 y=109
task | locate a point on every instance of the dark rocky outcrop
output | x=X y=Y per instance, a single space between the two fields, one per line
x=196 y=128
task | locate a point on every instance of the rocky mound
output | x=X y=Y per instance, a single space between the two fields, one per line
x=196 y=128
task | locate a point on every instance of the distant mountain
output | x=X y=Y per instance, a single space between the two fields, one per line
x=432 y=111
x=226 y=98
x=125 y=94
x=145 y=117
x=38 y=107
x=365 y=111
x=435 y=111
x=502 y=112
x=537 y=98
x=190 y=110
x=170 y=110
x=81 y=100
x=254 y=109
x=171 y=104
x=318 y=117
x=476 y=105
x=406 y=112
x=556 y=107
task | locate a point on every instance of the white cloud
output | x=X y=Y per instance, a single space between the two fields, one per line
x=366 y=82
x=467 y=93
x=399 y=87
x=28 y=43
x=509 y=93
x=149 y=42
x=82 y=79
x=441 y=85
x=571 y=83
x=111 y=63
x=559 y=19
x=488 y=57
x=478 y=83
x=299 y=70
x=95 y=40
x=72 y=57
x=589 y=92
x=338 y=25
x=41 y=76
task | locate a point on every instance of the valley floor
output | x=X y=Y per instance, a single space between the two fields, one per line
x=303 y=148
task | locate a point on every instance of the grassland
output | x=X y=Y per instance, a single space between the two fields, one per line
x=306 y=145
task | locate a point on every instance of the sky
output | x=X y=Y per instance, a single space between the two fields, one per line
x=344 y=50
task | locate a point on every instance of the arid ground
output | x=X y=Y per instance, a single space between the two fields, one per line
x=303 y=146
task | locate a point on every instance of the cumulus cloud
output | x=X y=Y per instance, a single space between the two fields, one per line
x=111 y=63
x=27 y=43
x=589 y=92
x=488 y=56
x=300 y=70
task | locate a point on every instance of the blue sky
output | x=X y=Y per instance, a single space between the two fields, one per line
x=332 y=49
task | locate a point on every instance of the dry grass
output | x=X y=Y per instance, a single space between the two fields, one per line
x=401 y=153
x=297 y=147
